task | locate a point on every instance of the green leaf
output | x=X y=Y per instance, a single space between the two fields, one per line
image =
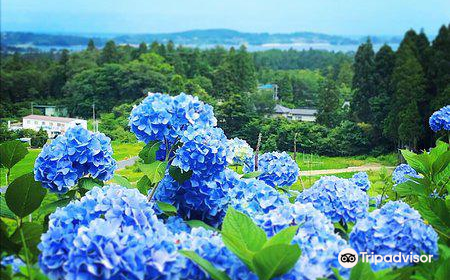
x=239 y=248
x=362 y=270
x=123 y=181
x=148 y=153
x=421 y=163
x=337 y=274
x=253 y=174
x=52 y=206
x=89 y=183
x=239 y=225
x=179 y=175
x=32 y=234
x=441 y=147
x=12 y=152
x=285 y=236
x=143 y=185
x=443 y=271
x=167 y=208
x=435 y=212
x=275 y=260
x=24 y=195
x=198 y=223
x=441 y=163
x=411 y=187
x=6 y=245
x=155 y=171
x=213 y=272
x=5 y=212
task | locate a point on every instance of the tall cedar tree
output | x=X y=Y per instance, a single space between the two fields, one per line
x=109 y=53
x=363 y=82
x=404 y=122
x=379 y=104
x=91 y=45
x=328 y=104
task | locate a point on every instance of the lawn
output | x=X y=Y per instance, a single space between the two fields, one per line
x=315 y=162
x=126 y=150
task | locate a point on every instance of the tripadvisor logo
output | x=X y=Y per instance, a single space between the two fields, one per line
x=348 y=258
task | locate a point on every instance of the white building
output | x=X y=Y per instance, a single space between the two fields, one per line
x=300 y=114
x=53 y=125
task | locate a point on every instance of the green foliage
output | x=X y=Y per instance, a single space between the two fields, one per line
x=213 y=272
x=12 y=152
x=429 y=194
x=167 y=208
x=24 y=195
x=148 y=153
x=154 y=171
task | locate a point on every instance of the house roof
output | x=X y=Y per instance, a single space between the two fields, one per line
x=279 y=109
x=49 y=118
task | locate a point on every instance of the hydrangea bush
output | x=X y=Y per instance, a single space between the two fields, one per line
x=278 y=169
x=440 y=120
x=401 y=173
x=339 y=199
x=73 y=155
x=392 y=229
x=240 y=151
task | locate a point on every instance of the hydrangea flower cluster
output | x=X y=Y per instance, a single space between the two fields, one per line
x=278 y=169
x=197 y=198
x=73 y=155
x=392 y=229
x=204 y=152
x=240 y=151
x=440 y=119
x=160 y=116
x=111 y=233
x=361 y=179
x=14 y=262
x=401 y=172
x=209 y=245
x=319 y=244
x=252 y=196
x=339 y=199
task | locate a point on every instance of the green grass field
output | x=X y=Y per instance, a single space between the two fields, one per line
x=126 y=150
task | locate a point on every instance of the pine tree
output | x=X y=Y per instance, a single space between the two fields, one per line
x=109 y=53
x=404 y=121
x=91 y=45
x=363 y=82
x=328 y=104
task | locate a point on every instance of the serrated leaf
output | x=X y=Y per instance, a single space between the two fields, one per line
x=11 y=152
x=166 y=207
x=410 y=187
x=24 y=195
x=239 y=225
x=148 y=152
x=198 y=223
x=420 y=163
x=122 y=181
x=179 y=175
x=441 y=147
x=213 y=272
x=441 y=163
x=144 y=184
x=155 y=171
x=284 y=236
x=436 y=213
x=362 y=270
x=275 y=260
x=253 y=174
x=88 y=183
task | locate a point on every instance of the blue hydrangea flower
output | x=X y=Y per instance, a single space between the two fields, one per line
x=361 y=179
x=14 y=262
x=197 y=198
x=401 y=172
x=377 y=200
x=240 y=151
x=279 y=169
x=73 y=155
x=319 y=244
x=111 y=233
x=253 y=196
x=204 y=152
x=392 y=229
x=160 y=116
x=209 y=245
x=339 y=199
x=440 y=119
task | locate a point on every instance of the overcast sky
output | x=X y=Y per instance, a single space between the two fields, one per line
x=343 y=17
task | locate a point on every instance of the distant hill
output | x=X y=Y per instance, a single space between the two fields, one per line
x=192 y=37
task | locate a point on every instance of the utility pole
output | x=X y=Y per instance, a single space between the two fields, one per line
x=31 y=108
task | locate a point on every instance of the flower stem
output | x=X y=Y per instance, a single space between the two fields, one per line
x=24 y=244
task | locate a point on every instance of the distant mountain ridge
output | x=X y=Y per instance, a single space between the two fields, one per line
x=191 y=37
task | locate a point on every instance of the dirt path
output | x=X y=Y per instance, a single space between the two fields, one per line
x=367 y=167
x=121 y=164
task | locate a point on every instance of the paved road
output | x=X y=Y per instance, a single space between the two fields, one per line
x=121 y=164
x=367 y=167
